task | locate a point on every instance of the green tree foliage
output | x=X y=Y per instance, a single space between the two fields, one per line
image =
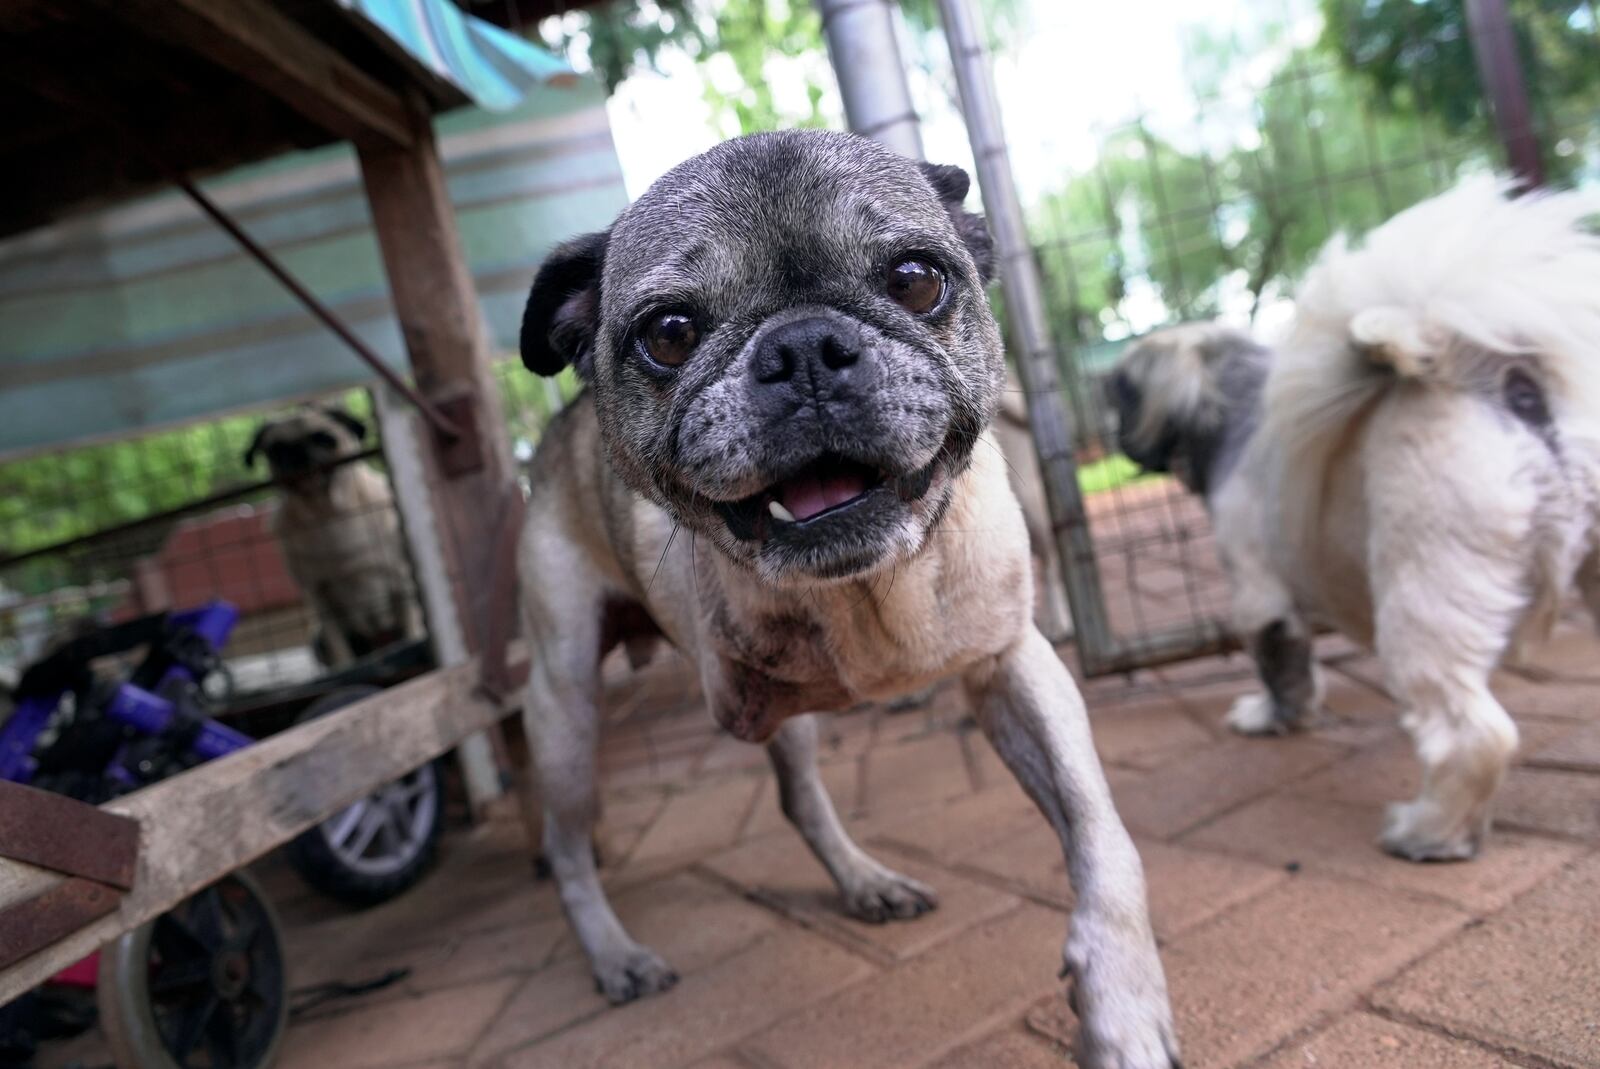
x=1417 y=57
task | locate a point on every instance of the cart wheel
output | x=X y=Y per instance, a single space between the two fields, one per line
x=199 y=987
x=377 y=847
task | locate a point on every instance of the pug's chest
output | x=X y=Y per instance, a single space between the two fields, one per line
x=829 y=653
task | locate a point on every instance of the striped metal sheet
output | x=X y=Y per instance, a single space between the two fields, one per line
x=494 y=68
x=147 y=315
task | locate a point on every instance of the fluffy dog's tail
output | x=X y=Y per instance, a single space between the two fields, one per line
x=1460 y=285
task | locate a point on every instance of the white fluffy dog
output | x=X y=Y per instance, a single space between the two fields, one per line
x=1418 y=466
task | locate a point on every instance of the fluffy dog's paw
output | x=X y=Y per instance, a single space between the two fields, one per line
x=1255 y=714
x=885 y=895
x=1413 y=831
x=634 y=974
x=1120 y=996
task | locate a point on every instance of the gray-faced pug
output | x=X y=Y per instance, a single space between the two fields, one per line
x=340 y=533
x=782 y=461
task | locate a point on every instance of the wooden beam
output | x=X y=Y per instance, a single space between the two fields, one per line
x=434 y=299
x=201 y=825
x=260 y=44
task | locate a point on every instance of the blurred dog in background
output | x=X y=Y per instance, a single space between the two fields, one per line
x=340 y=533
x=1417 y=466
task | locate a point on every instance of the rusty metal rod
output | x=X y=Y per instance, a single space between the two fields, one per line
x=1494 y=46
x=438 y=420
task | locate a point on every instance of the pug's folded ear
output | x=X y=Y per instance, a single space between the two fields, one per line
x=952 y=185
x=254 y=451
x=563 y=313
x=349 y=422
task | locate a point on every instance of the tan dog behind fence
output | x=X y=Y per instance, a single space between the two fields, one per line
x=340 y=533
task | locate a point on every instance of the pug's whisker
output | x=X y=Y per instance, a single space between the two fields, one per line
x=664 y=551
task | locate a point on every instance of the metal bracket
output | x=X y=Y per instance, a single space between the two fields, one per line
x=97 y=850
x=462 y=454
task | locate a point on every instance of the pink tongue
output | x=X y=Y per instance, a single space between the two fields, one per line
x=806 y=495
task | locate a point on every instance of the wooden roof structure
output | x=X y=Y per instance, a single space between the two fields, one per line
x=107 y=99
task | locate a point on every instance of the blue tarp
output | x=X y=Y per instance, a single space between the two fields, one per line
x=493 y=67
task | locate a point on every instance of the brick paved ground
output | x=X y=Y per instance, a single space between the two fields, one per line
x=1289 y=940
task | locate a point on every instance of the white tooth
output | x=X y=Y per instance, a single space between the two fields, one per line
x=779 y=512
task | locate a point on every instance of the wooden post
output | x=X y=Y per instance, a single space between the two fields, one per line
x=469 y=478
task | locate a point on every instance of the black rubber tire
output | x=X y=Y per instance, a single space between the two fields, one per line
x=320 y=864
x=142 y=1034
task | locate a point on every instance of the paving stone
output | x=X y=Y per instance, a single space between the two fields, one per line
x=1572 y=651
x=1362 y=1041
x=1146 y=734
x=1389 y=772
x=930 y=1005
x=1010 y=1048
x=961 y=827
x=1547 y=696
x=515 y=951
x=782 y=873
x=1577 y=750
x=1323 y=834
x=698 y=820
x=1355 y=712
x=846 y=735
x=1555 y=803
x=439 y=1024
x=1524 y=980
x=1259 y=973
x=1185 y=793
x=689 y=921
x=903 y=776
x=728 y=754
x=707 y=1011
x=1184 y=886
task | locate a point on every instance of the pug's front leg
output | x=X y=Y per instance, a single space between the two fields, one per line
x=1031 y=711
x=872 y=891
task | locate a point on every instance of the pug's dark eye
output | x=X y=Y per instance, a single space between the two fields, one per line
x=670 y=338
x=915 y=285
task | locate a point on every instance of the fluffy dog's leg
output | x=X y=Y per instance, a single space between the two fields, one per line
x=1464 y=740
x=1287 y=666
x=563 y=725
x=871 y=891
x=1279 y=643
x=1438 y=658
x=1031 y=711
x=1589 y=584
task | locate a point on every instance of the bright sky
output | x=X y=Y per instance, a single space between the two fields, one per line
x=1078 y=68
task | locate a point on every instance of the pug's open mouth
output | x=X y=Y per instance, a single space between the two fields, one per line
x=827 y=491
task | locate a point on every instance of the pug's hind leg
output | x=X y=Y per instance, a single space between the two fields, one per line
x=872 y=891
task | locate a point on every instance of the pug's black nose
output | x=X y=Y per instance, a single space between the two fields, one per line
x=815 y=348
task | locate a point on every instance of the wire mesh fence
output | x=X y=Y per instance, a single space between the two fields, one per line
x=1298 y=121
x=287 y=514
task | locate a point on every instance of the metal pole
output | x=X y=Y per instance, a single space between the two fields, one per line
x=1494 y=45
x=1024 y=300
x=872 y=77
